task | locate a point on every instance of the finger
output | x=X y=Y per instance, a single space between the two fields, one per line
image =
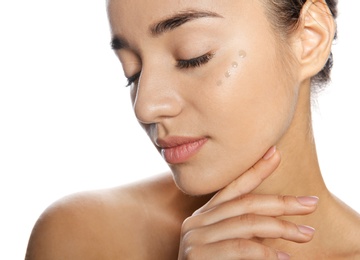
x=248 y=181
x=234 y=249
x=266 y=205
x=251 y=226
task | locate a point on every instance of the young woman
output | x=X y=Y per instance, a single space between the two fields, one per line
x=223 y=90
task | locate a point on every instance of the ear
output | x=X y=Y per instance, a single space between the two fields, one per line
x=315 y=36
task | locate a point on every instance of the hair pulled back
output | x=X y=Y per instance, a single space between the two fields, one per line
x=285 y=14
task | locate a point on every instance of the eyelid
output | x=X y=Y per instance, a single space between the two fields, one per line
x=195 y=62
x=133 y=78
x=181 y=64
x=130 y=62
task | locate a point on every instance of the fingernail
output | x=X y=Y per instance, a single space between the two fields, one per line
x=270 y=153
x=306 y=230
x=283 y=256
x=308 y=200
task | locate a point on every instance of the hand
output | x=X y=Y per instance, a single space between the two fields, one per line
x=230 y=225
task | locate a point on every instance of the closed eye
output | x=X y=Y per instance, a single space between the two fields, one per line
x=195 y=62
x=133 y=78
x=182 y=64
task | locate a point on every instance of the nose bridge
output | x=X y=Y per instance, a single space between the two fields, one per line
x=156 y=96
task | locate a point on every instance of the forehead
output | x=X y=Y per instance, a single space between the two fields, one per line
x=158 y=8
x=132 y=16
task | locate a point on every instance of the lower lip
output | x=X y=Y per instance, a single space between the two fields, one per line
x=182 y=153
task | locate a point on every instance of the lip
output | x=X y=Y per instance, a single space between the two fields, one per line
x=176 y=150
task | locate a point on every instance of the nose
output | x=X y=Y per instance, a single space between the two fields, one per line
x=156 y=98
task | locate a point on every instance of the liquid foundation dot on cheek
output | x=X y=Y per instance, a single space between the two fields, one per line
x=234 y=66
x=242 y=54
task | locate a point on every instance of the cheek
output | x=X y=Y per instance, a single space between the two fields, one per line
x=231 y=68
x=253 y=101
x=243 y=116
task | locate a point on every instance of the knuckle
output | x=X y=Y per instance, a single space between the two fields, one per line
x=288 y=228
x=284 y=225
x=286 y=200
x=247 y=202
x=187 y=225
x=248 y=197
x=282 y=199
x=193 y=252
x=242 y=245
x=248 y=248
x=286 y=204
x=192 y=224
x=248 y=219
x=190 y=238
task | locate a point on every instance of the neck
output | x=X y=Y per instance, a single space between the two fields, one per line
x=299 y=172
x=299 y=175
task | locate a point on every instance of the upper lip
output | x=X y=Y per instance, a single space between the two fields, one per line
x=174 y=141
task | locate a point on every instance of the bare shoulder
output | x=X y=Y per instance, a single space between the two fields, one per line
x=103 y=224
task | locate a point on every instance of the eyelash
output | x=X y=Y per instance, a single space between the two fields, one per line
x=181 y=64
x=195 y=62
x=133 y=78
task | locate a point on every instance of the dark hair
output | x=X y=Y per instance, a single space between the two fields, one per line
x=285 y=14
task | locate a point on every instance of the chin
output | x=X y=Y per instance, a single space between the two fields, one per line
x=211 y=172
x=198 y=184
x=195 y=191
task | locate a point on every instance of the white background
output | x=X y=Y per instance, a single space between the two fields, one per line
x=66 y=123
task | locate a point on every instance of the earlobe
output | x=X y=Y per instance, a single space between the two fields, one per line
x=316 y=32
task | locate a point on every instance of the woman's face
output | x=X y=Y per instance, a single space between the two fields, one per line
x=213 y=87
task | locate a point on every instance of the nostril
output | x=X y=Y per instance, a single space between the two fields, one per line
x=156 y=96
x=154 y=109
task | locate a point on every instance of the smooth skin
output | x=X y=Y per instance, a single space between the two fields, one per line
x=254 y=190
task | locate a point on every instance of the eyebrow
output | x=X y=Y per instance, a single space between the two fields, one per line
x=118 y=42
x=179 y=19
x=166 y=25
